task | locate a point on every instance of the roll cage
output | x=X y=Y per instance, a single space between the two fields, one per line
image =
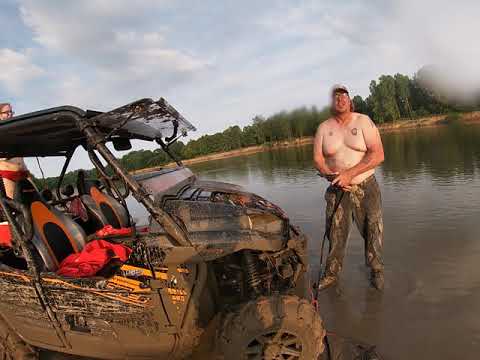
x=59 y=131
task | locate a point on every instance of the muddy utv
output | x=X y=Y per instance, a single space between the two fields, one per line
x=217 y=270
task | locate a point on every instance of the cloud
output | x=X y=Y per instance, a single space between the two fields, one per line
x=110 y=43
x=222 y=63
x=103 y=34
x=443 y=34
x=17 y=70
x=387 y=37
x=326 y=20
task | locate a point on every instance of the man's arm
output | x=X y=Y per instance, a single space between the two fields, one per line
x=318 y=158
x=373 y=157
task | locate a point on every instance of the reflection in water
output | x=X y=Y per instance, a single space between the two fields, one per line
x=441 y=152
x=430 y=184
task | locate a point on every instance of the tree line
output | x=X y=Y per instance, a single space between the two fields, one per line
x=391 y=97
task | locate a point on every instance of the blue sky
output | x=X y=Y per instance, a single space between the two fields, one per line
x=221 y=63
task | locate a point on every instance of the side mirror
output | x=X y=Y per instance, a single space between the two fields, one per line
x=67 y=190
x=121 y=144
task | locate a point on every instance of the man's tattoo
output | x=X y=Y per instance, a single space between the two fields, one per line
x=354 y=131
x=330 y=133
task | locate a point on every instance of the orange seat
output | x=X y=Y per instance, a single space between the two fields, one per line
x=55 y=234
x=114 y=212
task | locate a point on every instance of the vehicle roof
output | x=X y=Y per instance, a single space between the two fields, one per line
x=55 y=131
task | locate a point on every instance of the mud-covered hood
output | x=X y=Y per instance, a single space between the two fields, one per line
x=202 y=203
x=172 y=187
x=225 y=216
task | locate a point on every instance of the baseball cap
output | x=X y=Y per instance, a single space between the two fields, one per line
x=339 y=88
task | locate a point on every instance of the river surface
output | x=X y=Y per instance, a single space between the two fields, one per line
x=430 y=183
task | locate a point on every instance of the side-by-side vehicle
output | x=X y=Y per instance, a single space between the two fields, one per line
x=216 y=269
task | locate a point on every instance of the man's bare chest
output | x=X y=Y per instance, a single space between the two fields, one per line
x=337 y=138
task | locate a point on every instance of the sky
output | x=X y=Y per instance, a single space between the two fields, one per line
x=220 y=63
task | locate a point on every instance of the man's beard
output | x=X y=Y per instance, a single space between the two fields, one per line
x=335 y=112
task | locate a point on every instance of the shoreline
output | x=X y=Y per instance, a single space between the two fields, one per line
x=431 y=121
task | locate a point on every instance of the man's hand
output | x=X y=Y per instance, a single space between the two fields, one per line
x=330 y=177
x=343 y=180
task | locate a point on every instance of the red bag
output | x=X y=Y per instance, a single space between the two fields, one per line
x=94 y=256
x=5 y=235
x=109 y=230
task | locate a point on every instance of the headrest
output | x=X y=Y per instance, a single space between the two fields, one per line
x=84 y=185
x=26 y=192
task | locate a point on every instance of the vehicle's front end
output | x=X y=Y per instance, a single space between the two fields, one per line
x=252 y=251
x=251 y=242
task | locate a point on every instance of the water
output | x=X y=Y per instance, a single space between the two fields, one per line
x=430 y=184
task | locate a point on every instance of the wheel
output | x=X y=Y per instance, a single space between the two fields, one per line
x=272 y=328
x=12 y=347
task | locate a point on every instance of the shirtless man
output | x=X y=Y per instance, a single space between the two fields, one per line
x=347 y=149
x=13 y=168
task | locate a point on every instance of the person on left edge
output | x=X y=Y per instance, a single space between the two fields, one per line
x=11 y=169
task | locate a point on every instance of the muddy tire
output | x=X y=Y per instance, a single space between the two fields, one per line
x=12 y=347
x=270 y=328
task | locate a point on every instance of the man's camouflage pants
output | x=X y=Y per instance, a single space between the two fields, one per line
x=363 y=205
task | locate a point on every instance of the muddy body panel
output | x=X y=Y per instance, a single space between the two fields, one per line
x=130 y=314
x=23 y=311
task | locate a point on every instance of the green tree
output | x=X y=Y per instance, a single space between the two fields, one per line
x=258 y=124
x=360 y=104
x=383 y=100
x=402 y=94
x=249 y=136
x=299 y=119
x=232 y=138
